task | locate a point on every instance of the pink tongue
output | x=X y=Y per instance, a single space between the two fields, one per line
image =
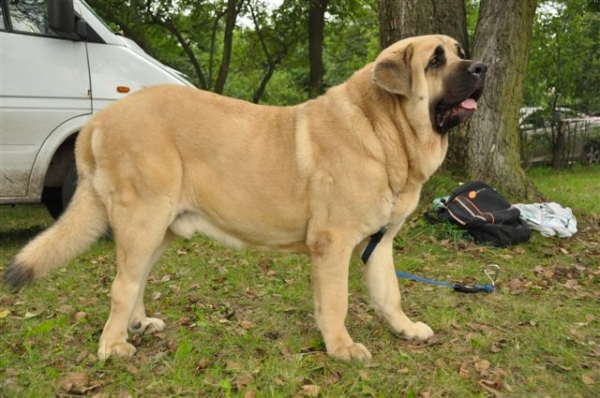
x=469 y=103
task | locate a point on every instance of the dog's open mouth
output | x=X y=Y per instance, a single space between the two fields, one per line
x=450 y=116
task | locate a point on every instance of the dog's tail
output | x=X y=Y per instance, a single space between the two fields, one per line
x=83 y=222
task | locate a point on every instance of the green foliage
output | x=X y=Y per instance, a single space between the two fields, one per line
x=269 y=61
x=351 y=40
x=564 y=67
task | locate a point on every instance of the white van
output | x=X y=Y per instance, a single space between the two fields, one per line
x=59 y=64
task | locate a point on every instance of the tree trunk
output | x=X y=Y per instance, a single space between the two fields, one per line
x=316 y=29
x=399 y=19
x=231 y=16
x=558 y=146
x=502 y=40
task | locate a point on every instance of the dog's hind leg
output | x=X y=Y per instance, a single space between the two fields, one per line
x=140 y=235
x=385 y=293
x=139 y=322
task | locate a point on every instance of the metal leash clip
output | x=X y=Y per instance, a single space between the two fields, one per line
x=492 y=271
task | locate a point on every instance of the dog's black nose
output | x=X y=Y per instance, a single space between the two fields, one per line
x=477 y=68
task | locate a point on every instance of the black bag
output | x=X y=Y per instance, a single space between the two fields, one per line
x=486 y=215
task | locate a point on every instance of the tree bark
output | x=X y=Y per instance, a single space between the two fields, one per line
x=316 y=30
x=399 y=19
x=231 y=16
x=502 y=41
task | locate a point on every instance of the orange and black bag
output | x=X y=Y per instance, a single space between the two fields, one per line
x=485 y=214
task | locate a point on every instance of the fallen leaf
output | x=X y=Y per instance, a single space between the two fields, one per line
x=82 y=355
x=482 y=366
x=588 y=381
x=4 y=313
x=311 y=390
x=232 y=366
x=590 y=317
x=11 y=372
x=243 y=381
x=463 y=371
x=80 y=315
x=247 y=325
x=515 y=285
x=489 y=386
x=78 y=383
x=424 y=394
x=571 y=284
x=250 y=393
x=527 y=323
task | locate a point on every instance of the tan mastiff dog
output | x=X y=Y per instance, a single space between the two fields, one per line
x=317 y=178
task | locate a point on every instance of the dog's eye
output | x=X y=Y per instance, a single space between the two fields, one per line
x=435 y=62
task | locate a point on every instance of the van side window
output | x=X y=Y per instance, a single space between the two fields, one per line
x=30 y=16
x=2 y=23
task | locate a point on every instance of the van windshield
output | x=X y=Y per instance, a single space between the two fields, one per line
x=90 y=9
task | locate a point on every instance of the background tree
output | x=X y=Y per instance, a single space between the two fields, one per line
x=400 y=19
x=231 y=13
x=502 y=40
x=565 y=56
x=316 y=31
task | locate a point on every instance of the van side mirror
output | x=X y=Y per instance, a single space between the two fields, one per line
x=61 y=16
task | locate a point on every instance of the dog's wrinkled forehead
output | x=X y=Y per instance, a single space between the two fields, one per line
x=396 y=68
x=428 y=47
x=441 y=48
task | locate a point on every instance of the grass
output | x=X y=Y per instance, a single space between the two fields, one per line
x=573 y=188
x=239 y=323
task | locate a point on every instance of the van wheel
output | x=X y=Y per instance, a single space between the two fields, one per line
x=69 y=185
x=51 y=198
x=56 y=199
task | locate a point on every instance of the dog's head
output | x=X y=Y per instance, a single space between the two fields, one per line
x=430 y=72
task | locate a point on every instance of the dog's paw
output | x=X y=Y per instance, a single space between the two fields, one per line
x=148 y=325
x=354 y=351
x=418 y=331
x=121 y=349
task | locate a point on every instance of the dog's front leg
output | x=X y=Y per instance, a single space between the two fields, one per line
x=330 y=256
x=385 y=293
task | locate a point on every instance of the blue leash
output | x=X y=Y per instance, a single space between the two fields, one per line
x=490 y=270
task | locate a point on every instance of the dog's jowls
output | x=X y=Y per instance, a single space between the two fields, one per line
x=317 y=178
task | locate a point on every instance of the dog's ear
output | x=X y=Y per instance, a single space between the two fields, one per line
x=392 y=71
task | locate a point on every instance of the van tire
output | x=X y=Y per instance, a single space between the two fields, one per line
x=51 y=198
x=69 y=185
x=56 y=199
